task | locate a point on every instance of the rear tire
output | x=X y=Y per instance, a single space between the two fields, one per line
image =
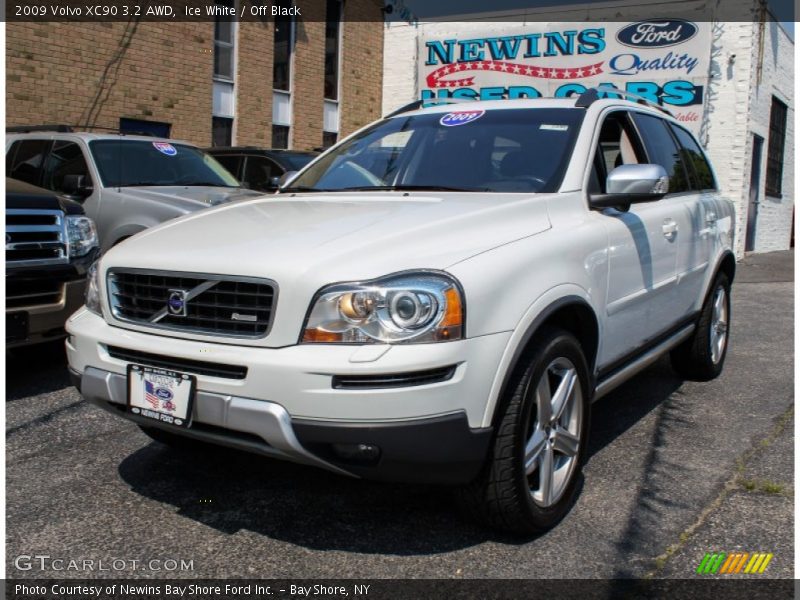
x=530 y=478
x=702 y=356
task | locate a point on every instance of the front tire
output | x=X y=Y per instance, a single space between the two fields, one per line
x=530 y=479
x=702 y=356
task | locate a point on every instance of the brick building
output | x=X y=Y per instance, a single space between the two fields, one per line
x=296 y=82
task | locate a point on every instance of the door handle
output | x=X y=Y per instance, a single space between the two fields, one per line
x=670 y=228
x=711 y=218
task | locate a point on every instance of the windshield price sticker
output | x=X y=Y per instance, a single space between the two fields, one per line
x=461 y=117
x=165 y=148
x=548 y=127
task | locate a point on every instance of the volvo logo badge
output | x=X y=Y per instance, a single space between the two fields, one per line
x=176 y=304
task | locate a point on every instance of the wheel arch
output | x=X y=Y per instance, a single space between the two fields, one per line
x=726 y=264
x=572 y=313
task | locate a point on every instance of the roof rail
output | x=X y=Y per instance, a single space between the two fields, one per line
x=417 y=104
x=587 y=98
x=59 y=128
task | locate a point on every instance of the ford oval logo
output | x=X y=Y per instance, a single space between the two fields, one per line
x=164 y=393
x=656 y=33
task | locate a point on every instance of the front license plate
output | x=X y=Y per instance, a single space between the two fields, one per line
x=161 y=395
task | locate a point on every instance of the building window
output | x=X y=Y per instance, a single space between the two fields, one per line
x=223 y=95
x=224 y=44
x=329 y=138
x=280 y=137
x=140 y=126
x=221 y=131
x=777 y=143
x=282 y=54
x=333 y=32
x=282 y=82
x=333 y=15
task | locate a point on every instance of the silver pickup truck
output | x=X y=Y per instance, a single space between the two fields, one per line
x=126 y=183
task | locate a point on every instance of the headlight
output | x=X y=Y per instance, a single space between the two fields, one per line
x=410 y=307
x=81 y=234
x=93 y=290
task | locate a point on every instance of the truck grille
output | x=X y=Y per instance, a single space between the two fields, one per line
x=192 y=302
x=35 y=237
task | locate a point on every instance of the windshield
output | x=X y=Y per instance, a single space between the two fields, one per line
x=508 y=150
x=132 y=163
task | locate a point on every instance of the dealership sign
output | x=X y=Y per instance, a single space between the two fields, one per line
x=663 y=60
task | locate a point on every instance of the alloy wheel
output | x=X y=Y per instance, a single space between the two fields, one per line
x=718 y=337
x=554 y=437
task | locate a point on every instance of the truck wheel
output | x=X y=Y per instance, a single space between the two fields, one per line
x=173 y=440
x=700 y=358
x=529 y=481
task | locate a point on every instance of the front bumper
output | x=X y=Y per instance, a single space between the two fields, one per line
x=289 y=406
x=46 y=322
x=440 y=450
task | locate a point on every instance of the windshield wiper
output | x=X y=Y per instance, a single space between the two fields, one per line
x=205 y=184
x=139 y=184
x=409 y=188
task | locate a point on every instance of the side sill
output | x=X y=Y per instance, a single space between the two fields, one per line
x=638 y=364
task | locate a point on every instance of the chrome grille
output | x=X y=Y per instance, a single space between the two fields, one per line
x=212 y=304
x=35 y=237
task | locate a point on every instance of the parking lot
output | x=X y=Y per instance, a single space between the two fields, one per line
x=676 y=469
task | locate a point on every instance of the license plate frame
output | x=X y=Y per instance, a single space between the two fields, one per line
x=168 y=387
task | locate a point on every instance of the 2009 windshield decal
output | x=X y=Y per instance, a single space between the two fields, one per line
x=461 y=117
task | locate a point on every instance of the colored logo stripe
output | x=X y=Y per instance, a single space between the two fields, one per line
x=722 y=563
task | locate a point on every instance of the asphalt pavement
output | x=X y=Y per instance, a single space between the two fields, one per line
x=676 y=469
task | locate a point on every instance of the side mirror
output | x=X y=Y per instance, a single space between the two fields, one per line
x=76 y=185
x=632 y=184
x=286 y=178
x=274 y=182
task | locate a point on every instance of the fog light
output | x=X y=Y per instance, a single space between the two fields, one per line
x=357 y=453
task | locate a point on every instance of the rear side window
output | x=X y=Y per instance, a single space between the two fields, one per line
x=695 y=159
x=259 y=171
x=661 y=150
x=231 y=162
x=66 y=158
x=27 y=159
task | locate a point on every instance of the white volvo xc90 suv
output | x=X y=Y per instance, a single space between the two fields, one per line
x=438 y=298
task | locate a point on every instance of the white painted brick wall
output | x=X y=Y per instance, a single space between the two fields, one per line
x=774 y=222
x=725 y=135
x=736 y=108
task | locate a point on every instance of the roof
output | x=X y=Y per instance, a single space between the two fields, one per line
x=91 y=136
x=239 y=149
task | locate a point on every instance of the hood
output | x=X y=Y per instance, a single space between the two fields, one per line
x=305 y=242
x=208 y=195
x=21 y=195
x=356 y=235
